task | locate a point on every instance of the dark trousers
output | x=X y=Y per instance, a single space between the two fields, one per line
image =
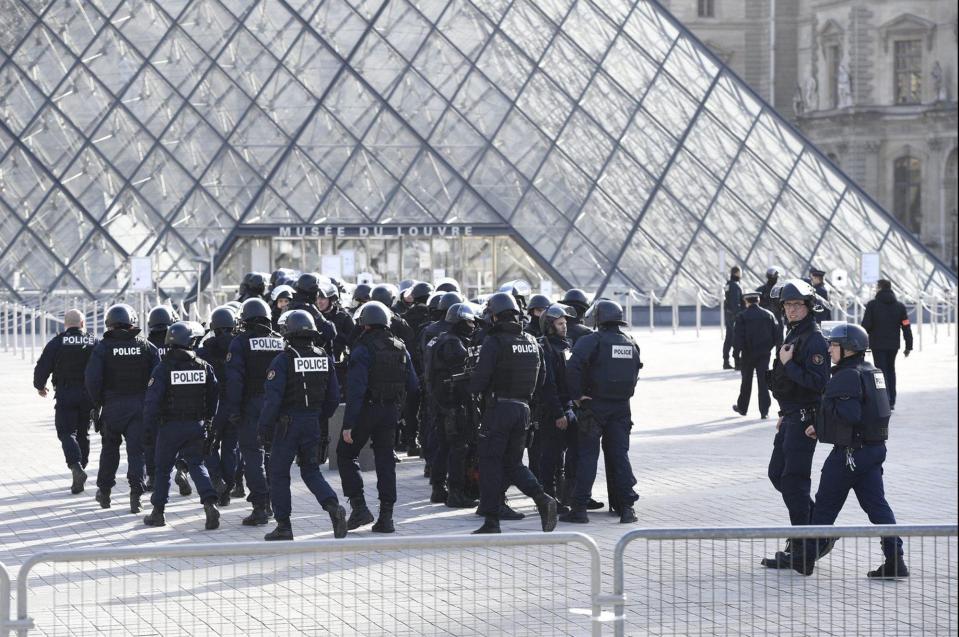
x=184 y=440
x=885 y=360
x=748 y=366
x=377 y=422
x=411 y=420
x=611 y=427
x=502 y=440
x=300 y=441
x=221 y=462
x=791 y=465
x=728 y=339
x=122 y=419
x=866 y=481
x=72 y=420
x=254 y=458
x=449 y=462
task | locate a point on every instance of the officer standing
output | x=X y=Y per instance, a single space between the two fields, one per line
x=733 y=304
x=885 y=316
x=535 y=308
x=509 y=370
x=252 y=286
x=428 y=434
x=755 y=336
x=799 y=376
x=768 y=302
x=116 y=379
x=417 y=316
x=854 y=418
x=65 y=357
x=379 y=376
x=221 y=457
x=577 y=300
x=328 y=303
x=817 y=281
x=180 y=404
x=305 y=295
x=301 y=390
x=281 y=296
x=249 y=358
x=602 y=374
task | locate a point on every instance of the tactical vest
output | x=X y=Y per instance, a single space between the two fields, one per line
x=612 y=371
x=875 y=408
x=186 y=389
x=517 y=365
x=72 y=357
x=387 y=380
x=215 y=350
x=260 y=352
x=784 y=388
x=307 y=377
x=441 y=369
x=126 y=366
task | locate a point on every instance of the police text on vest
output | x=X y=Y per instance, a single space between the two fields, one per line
x=528 y=348
x=305 y=365
x=266 y=343
x=622 y=351
x=188 y=377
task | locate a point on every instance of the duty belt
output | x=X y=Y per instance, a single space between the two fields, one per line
x=505 y=399
x=806 y=414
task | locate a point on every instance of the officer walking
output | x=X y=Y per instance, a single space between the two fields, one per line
x=301 y=390
x=799 y=376
x=221 y=458
x=116 y=379
x=510 y=368
x=328 y=303
x=602 y=375
x=65 y=357
x=733 y=304
x=305 y=296
x=159 y=320
x=768 y=302
x=817 y=281
x=180 y=403
x=755 y=336
x=854 y=418
x=884 y=318
x=379 y=377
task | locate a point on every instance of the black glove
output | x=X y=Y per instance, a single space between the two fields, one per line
x=95 y=419
x=211 y=439
x=264 y=438
x=906 y=352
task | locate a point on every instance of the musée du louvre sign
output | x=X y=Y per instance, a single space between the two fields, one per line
x=388 y=231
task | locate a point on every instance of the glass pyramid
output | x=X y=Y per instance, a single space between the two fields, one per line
x=615 y=147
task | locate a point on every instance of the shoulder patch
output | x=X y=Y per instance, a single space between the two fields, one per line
x=270 y=375
x=150 y=384
x=817 y=359
x=229 y=355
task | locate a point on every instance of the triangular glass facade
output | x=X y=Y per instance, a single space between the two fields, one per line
x=605 y=137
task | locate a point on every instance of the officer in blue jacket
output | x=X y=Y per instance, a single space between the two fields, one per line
x=221 y=458
x=301 y=389
x=817 y=279
x=65 y=358
x=602 y=375
x=180 y=403
x=379 y=377
x=116 y=379
x=247 y=363
x=799 y=376
x=854 y=418
x=159 y=321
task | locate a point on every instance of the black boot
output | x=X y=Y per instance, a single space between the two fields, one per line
x=426 y=470
x=103 y=497
x=413 y=450
x=576 y=515
x=547 y=511
x=223 y=495
x=283 y=531
x=384 y=523
x=258 y=517
x=79 y=478
x=457 y=499
x=491 y=525
x=135 y=494
x=508 y=513
x=627 y=515
x=726 y=364
x=337 y=517
x=148 y=487
x=890 y=569
x=182 y=482
x=594 y=505
x=360 y=514
x=439 y=494
x=212 y=515
x=238 y=490
x=781 y=560
x=156 y=517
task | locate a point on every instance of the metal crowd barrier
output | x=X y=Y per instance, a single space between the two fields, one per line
x=710 y=581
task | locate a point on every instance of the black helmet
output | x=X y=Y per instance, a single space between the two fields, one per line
x=772 y=273
x=254 y=283
x=384 y=294
x=421 y=290
x=374 y=313
x=538 y=302
x=281 y=277
x=794 y=290
x=576 y=299
x=406 y=284
x=119 y=316
x=448 y=300
x=606 y=312
x=553 y=312
x=519 y=288
x=328 y=290
x=850 y=337
x=254 y=309
x=502 y=302
x=460 y=312
x=298 y=323
x=180 y=334
x=282 y=291
x=223 y=318
x=433 y=303
x=447 y=285
x=361 y=293
x=308 y=285
x=160 y=318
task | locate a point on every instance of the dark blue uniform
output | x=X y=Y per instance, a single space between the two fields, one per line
x=182 y=394
x=301 y=390
x=157 y=338
x=65 y=358
x=379 y=377
x=343 y=322
x=755 y=336
x=326 y=329
x=221 y=463
x=116 y=378
x=428 y=433
x=449 y=354
x=604 y=366
x=798 y=387
x=558 y=452
x=732 y=305
x=821 y=314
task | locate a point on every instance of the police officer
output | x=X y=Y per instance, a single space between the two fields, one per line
x=159 y=320
x=733 y=304
x=417 y=317
x=854 y=418
x=510 y=368
x=768 y=302
x=535 y=308
x=379 y=376
x=885 y=316
x=247 y=363
x=817 y=281
x=116 y=379
x=602 y=375
x=361 y=294
x=576 y=299
x=305 y=295
x=180 y=403
x=65 y=357
x=755 y=336
x=221 y=459
x=282 y=276
x=301 y=390
x=440 y=303
x=280 y=298
x=252 y=286
x=387 y=295
x=447 y=284
x=799 y=376
x=328 y=303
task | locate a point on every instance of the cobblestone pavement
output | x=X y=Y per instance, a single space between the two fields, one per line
x=697 y=464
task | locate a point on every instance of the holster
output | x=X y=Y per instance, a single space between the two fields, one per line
x=586 y=421
x=323 y=451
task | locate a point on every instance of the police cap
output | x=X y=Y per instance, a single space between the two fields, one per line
x=751 y=297
x=374 y=313
x=816 y=272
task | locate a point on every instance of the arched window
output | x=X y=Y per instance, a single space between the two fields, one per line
x=907 y=192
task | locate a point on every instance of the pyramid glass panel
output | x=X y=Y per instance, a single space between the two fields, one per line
x=592 y=142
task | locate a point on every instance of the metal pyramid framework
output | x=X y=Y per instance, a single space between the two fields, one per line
x=618 y=150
